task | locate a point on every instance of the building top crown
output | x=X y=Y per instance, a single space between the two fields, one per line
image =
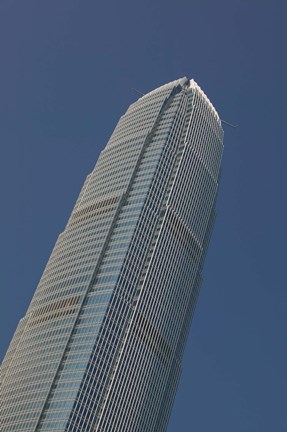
x=194 y=85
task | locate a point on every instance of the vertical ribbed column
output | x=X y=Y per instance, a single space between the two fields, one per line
x=149 y=366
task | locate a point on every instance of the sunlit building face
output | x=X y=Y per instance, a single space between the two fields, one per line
x=100 y=347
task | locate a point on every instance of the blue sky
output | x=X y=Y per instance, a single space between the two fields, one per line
x=67 y=70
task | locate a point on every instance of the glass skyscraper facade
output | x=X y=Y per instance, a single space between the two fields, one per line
x=101 y=345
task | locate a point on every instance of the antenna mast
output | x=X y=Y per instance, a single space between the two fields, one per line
x=141 y=93
x=229 y=124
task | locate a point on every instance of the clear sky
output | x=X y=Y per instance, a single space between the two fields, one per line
x=66 y=73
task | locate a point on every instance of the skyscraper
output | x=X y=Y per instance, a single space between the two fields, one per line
x=101 y=344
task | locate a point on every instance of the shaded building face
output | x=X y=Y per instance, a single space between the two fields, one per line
x=100 y=347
